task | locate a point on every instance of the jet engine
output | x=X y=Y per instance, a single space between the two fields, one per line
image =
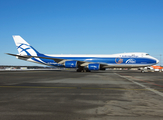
x=71 y=64
x=94 y=66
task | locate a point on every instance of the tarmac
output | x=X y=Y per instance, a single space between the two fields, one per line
x=70 y=95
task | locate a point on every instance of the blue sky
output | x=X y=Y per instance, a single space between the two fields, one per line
x=81 y=27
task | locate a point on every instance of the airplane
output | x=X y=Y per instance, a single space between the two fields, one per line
x=83 y=63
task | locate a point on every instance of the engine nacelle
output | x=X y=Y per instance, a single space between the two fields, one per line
x=94 y=66
x=71 y=64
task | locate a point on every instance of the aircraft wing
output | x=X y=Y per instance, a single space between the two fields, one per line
x=26 y=56
x=57 y=60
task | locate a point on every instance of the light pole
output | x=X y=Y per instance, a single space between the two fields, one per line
x=160 y=59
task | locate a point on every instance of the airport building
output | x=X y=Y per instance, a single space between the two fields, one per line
x=8 y=67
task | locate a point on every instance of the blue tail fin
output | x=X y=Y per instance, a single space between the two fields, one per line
x=23 y=47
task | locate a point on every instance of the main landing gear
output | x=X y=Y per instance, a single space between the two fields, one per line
x=142 y=71
x=82 y=70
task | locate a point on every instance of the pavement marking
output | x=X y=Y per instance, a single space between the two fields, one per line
x=150 y=89
x=84 y=88
x=36 y=87
x=118 y=89
x=143 y=80
x=149 y=82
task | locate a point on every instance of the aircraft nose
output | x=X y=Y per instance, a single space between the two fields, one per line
x=157 y=61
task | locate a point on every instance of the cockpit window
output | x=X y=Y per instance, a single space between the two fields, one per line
x=147 y=54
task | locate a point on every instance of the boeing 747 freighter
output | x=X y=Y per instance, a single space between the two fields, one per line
x=83 y=63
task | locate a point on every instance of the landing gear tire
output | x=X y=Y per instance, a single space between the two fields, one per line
x=142 y=71
x=83 y=70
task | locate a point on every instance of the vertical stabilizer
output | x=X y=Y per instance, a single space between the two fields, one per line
x=23 y=47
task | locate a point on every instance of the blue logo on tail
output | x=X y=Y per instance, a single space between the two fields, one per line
x=27 y=48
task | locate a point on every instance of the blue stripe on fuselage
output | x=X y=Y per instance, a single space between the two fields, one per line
x=103 y=60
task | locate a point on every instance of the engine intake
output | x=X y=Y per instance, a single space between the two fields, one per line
x=71 y=64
